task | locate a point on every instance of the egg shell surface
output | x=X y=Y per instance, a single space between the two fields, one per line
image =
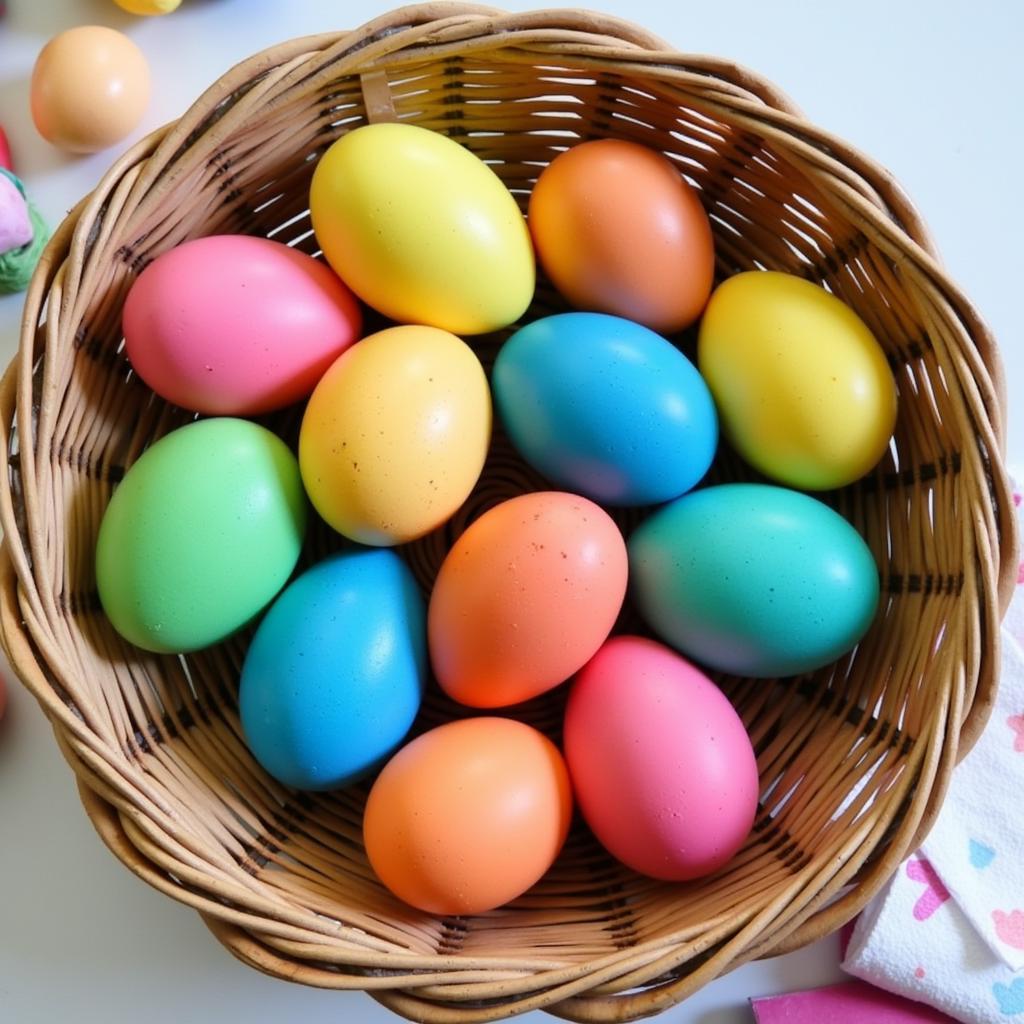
x=753 y=579
x=605 y=407
x=237 y=325
x=89 y=88
x=619 y=230
x=148 y=8
x=422 y=229
x=803 y=389
x=395 y=434
x=661 y=764
x=202 y=532
x=468 y=816
x=524 y=598
x=334 y=676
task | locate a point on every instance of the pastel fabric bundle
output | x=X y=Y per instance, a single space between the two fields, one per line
x=949 y=928
x=23 y=235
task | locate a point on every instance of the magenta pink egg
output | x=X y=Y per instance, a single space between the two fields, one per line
x=233 y=325
x=662 y=766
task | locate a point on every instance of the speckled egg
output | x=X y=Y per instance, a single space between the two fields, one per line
x=395 y=435
x=524 y=597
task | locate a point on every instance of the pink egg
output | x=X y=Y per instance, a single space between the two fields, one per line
x=662 y=766
x=233 y=325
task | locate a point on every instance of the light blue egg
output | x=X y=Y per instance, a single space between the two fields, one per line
x=335 y=673
x=754 y=580
x=605 y=407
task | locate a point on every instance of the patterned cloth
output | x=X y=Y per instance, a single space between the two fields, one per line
x=949 y=928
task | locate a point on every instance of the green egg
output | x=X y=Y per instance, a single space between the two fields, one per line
x=200 y=535
x=754 y=580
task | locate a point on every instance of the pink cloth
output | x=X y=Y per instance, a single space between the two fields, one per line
x=849 y=1003
x=15 y=225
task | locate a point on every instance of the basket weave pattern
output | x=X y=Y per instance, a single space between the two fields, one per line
x=854 y=759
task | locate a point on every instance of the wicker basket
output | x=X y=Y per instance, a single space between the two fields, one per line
x=854 y=759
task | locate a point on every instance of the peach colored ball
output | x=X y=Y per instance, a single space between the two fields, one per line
x=90 y=88
x=468 y=816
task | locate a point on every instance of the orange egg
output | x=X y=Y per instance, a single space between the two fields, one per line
x=525 y=597
x=618 y=230
x=90 y=88
x=468 y=816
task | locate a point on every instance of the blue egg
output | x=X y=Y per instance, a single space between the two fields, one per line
x=335 y=672
x=753 y=579
x=605 y=407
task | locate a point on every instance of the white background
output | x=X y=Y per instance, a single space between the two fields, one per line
x=931 y=89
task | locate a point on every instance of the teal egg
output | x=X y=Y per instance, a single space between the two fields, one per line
x=754 y=580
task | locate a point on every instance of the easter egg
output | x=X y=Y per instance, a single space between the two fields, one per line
x=333 y=678
x=660 y=762
x=148 y=7
x=422 y=230
x=468 y=816
x=89 y=89
x=237 y=325
x=753 y=579
x=803 y=389
x=395 y=434
x=618 y=230
x=606 y=407
x=202 y=532
x=524 y=598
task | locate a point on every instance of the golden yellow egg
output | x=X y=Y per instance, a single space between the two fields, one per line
x=148 y=7
x=803 y=389
x=395 y=435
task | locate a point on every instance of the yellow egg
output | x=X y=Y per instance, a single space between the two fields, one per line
x=395 y=434
x=146 y=7
x=803 y=389
x=422 y=230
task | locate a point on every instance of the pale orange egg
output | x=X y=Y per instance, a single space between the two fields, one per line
x=468 y=816
x=90 y=88
x=525 y=597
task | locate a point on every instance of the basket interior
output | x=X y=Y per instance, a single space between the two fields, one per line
x=830 y=744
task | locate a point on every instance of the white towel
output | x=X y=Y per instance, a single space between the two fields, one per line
x=912 y=939
x=948 y=929
x=977 y=844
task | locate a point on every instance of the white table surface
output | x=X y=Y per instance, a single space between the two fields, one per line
x=932 y=90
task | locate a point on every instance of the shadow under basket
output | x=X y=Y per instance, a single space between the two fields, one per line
x=854 y=760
